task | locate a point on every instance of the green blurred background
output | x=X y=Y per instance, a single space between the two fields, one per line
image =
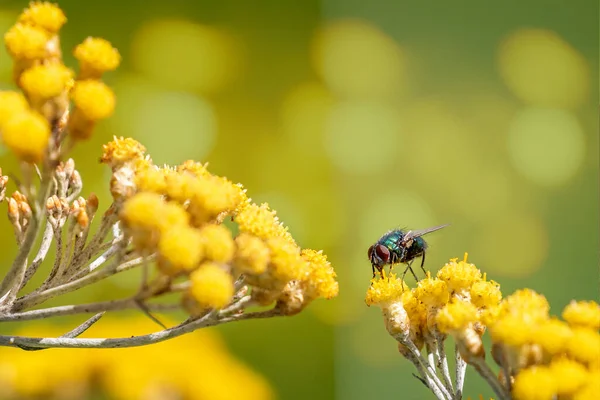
x=351 y=118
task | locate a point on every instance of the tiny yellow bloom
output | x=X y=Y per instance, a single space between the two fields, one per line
x=432 y=292
x=286 y=262
x=385 y=291
x=553 y=335
x=213 y=195
x=261 y=221
x=45 y=81
x=26 y=134
x=150 y=178
x=11 y=103
x=217 y=243
x=180 y=186
x=528 y=304
x=122 y=150
x=459 y=275
x=321 y=276
x=212 y=287
x=194 y=167
x=535 y=383
x=591 y=389
x=45 y=15
x=569 y=375
x=181 y=247
x=26 y=42
x=582 y=313
x=456 y=316
x=93 y=99
x=512 y=330
x=584 y=346
x=252 y=254
x=96 y=56
x=485 y=294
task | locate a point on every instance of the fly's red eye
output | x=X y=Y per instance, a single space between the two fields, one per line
x=370 y=252
x=382 y=252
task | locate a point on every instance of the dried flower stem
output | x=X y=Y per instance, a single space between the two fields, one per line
x=210 y=319
x=461 y=369
x=486 y=373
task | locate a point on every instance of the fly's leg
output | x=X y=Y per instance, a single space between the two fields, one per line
x=423 y=263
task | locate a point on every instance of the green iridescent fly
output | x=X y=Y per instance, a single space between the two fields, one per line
x=399 y=246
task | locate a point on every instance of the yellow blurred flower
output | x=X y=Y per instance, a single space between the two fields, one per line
x=93 y=99
x=180 y=248
x=11 y=103
x=535 y=383
x=45 y=81
x=26 y=42
x=252 y=254
x=212 y=286
x=582 y=313
x=217 y=242
x=44 y=15
x=26 y=134
x=96 y=56
x=456 y=316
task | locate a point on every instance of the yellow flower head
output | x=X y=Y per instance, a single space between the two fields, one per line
x=591 y=389
x=146 y=215
x=180 y=186
x=535 y=383
x=432 y=292
x=261 y=221
x=194 y=167
x=122 y=150
x=584 y=346
x=96 y=56
x=44 y=15
x=569 y=375
x=151 y=179
x=286 y=263
x=385 y=291
x=26 y=134
x=456 y=316
x=180 y=247
x=582 y=313
x=11 y=103
x=252 y=254
x=321 y=276
x=93 y=99
x=45 y=81
x=26 y=42
x=459 y=275
x=417 y=311
x=512 y=330
x=553 y=335
x=217 y=243
x=528 y=304
x=213 y=195
x=212 y=287
x=485 y=294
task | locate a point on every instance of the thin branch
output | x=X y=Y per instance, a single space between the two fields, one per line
x=40 y=256
x=486 y=373
x=461 y=369
x=210 y=319
x=83 y=327
x=12 y=281
x=431 y=373
x=443 y=363
x=77 y=331
x=34 y=299
x=110 y=305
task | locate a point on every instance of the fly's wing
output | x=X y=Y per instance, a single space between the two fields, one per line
x=420 y=232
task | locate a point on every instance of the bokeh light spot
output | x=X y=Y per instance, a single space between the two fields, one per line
x=357 y=59
x=546 y=146
x=373 y=346
x=362 y=137
x=185 y=55
x=303 y=115
x=174 y=126
x=513 y=245
x=542 y=69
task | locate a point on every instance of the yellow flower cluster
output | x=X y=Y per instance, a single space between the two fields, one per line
x=548 y=357
x=450 y=303
x=138 y=373
x=545 y=357
x=178 y=212
x=27 y=120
